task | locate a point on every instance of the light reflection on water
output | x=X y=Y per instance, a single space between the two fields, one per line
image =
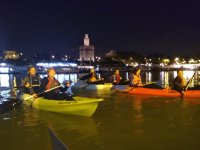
x=121 y=121
x=164 y=77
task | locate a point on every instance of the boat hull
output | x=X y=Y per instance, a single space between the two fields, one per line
x=84 y=85
x=98 y=86
x=164 y=92
x=81 y=106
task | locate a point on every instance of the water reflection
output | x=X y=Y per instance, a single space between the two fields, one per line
x=165 y=77
x=148 y=77
x=72 y=130
x=121 y=121
x=4 y=80
x=138 y=115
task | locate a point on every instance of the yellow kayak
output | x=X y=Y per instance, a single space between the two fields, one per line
x=81 y=106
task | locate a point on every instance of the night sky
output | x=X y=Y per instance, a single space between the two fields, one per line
x=44 y=26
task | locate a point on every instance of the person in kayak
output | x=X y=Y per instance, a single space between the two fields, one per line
x=69 y=89
x=31 y=83
x=51 y=82
x=93 y=79
x=116 y=78
x=136 y=81
x=179 y=82
x=135 y=78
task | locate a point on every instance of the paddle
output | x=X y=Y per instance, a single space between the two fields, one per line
x=57 y=144
x=43 y=92
x=189 y=82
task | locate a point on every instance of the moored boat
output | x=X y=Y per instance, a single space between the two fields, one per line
x=81 y=106
x=164 y=92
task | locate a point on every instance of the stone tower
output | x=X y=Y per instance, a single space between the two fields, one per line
x=86 y=51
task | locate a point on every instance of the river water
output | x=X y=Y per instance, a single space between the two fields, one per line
x=121 y=122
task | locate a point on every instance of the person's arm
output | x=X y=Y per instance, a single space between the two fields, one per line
x=131 y=78
x=184 y=82
x=24 y=82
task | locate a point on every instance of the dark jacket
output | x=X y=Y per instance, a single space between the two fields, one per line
x=177 y=84
x=34 y=82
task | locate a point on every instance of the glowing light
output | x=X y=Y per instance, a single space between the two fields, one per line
x=191 y=61
x=59 y=64
x=176 y=59
x=4 y=80
x=3 y=64
x=4 y=69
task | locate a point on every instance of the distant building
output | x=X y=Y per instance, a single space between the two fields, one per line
x=10 y=54
x=111 y=53
x=86 y=51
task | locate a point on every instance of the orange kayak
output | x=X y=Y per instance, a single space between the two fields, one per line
x=164 y=92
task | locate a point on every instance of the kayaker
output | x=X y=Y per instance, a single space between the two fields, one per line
x=50 y=82
x=116 y=78
x=31 y=83
x=93 y=79
x=135 y=78
x=179 y=82
x=69 y=89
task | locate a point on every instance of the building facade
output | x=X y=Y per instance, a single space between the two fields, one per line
x=86 y=51
x=10 y=54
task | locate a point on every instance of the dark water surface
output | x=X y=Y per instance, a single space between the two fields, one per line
x=121 y=122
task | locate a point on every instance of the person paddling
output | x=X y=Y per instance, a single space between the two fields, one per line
x=135 y=78
x=136 y=81
x=116 y=78
x=179 y=82
x=50 y=82
x=31 y=83
x=93 y=79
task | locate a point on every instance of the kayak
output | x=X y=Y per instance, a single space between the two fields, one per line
x=80 y=106
x=98 y=86
x=119 y=88
x=83 y=85
x=164 y=92
x=127 y=88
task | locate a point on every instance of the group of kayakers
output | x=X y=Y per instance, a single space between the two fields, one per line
x=32 y=84
x=179 y=83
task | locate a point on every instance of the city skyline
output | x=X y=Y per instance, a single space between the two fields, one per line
x=169 y=27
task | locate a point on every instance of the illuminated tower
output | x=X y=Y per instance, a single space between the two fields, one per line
x=86 y=51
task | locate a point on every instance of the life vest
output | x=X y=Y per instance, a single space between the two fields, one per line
x=52 y=83
x=34 y=80
x=92 y=78
x=117 y=78
x=136 y=79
